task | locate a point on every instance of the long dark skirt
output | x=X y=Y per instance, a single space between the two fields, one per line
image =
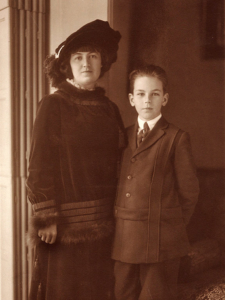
x=77 y=272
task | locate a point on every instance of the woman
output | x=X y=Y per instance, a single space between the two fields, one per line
x=75 y=149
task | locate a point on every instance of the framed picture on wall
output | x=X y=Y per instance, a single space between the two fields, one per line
x=213 y=29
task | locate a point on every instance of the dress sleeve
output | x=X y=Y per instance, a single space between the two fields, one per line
x=40 y=181
x=186 y=176
x=122 y=136
x=122 y=133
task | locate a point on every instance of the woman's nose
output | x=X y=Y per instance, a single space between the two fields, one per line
x=86 y=62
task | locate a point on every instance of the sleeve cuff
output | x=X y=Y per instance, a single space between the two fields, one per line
x=44 y=219
x=44 y=207
x=45 y=215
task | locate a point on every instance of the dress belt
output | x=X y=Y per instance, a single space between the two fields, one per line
x=86 y=211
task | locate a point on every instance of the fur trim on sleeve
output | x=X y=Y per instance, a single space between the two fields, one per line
x=39 y=221
x=93 y=233
x=43 y=220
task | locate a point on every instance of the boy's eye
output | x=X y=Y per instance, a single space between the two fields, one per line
x=155 y=94
x=140 y=94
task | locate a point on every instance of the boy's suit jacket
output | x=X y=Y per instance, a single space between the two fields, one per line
x=157 y=193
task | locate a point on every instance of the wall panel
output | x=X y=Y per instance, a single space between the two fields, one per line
x=6 y=199
x=29 y=49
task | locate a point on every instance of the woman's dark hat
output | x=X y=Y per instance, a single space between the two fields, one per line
x=97 y=33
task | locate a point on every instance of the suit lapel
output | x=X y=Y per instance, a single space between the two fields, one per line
x=154 y=135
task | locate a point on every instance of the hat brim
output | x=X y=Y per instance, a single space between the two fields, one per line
x=98 y=34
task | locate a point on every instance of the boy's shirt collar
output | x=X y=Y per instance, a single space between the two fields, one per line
x=151 y=123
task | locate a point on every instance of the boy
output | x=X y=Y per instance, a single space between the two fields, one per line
x=157 y=193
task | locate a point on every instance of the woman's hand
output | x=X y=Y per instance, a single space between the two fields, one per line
x=48 y=234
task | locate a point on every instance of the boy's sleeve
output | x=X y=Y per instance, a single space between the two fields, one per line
x=40 y=181
x=186 y=176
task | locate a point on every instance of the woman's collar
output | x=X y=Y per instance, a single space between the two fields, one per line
x=71 y=81
x=68 y=88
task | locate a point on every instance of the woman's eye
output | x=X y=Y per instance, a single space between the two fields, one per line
x=77 y=58
x=93 y=56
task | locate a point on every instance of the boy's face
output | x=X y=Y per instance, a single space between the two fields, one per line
x=86 y=68
x=148 y=97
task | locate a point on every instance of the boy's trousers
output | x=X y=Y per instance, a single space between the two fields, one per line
x=156 y=281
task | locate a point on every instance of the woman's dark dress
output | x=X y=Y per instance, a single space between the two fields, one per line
x=75 y=149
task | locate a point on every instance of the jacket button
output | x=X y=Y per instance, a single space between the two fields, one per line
x=128 y=195
x=129 y=177
x=133 y=159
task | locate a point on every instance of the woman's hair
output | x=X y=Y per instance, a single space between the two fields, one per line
x=149 y=70
x=59 y=69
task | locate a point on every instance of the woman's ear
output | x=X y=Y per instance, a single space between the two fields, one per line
x=131 y=98
x=165 y=99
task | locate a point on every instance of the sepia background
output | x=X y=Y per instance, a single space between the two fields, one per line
x=184 y=37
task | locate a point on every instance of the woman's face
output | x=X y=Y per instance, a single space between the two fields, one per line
x=86 y=68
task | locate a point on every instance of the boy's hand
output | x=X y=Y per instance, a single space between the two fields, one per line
x=48 y=234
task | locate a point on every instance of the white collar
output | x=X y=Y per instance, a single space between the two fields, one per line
x=71 y=81
x=151 y=123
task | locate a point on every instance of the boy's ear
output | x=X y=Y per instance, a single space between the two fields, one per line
x=165 y=99
x=131 y=97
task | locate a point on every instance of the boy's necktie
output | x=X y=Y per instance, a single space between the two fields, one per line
x=142 y=134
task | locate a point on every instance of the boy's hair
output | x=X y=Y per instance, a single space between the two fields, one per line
x=149 y=70
x=60 y=71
